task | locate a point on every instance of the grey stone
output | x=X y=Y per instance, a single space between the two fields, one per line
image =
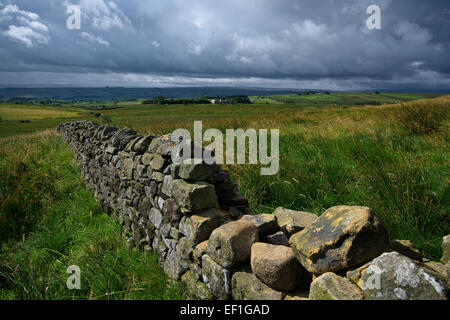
x=167 y=187
x=245 y=286
x=196 y=288
x=266 y=223
x=142 y=144
x=217 y=278
x=279 y=239
x=196 y=196
x=155 y=217
x=330 y=286
x=184 y=252
x=172 y=267
x=157 y=163
x=230 y=245
x=291 y=221
x=199 y=227
x=196 y=171
x=393 y=276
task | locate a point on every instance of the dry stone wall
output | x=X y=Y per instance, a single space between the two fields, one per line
x=194 y=218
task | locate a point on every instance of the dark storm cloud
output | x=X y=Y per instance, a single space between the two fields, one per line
x=252 y=42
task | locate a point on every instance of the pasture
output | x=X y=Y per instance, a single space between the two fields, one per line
x=386 y=151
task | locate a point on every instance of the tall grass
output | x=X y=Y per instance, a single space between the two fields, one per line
x=420 y=118
x=361 y=156
x=53 y=221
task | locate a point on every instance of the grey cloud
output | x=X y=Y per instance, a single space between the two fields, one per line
x=262 y=42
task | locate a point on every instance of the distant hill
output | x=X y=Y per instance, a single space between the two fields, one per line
x=120 y=93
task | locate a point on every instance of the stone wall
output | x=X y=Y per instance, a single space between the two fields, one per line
x=193 y=217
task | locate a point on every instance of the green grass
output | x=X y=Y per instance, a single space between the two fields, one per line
x=50 y=221
x=365 y=157
x=330 y=155
x=162 y=119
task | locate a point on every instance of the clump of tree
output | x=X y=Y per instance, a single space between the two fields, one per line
x=307 y=93
x=238 y=99
x=161 y=100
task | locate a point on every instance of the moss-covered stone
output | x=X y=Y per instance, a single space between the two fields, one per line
x=342 y=237
x=217 y=278
x=246 y=286
x=330 y=286
x=196 y=288
x=184 y=252
x=198 y=227
x=393 y=276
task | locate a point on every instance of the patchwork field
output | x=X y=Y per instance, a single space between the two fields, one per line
x=351 y=149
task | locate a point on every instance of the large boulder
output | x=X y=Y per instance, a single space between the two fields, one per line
x=217 y=278
x=291 y=222
x=230 y=244
x=342 y=237
x=393 y=276
x=266 y=223
x=245 y=286
x=330 y=286
x=277 y=267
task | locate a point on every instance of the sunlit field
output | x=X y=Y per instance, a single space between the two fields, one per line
x=393 y=158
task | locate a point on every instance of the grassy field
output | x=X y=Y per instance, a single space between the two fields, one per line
x=162 y=118
x=393 y=158
x=49 y=221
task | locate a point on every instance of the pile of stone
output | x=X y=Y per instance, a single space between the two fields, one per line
x=194 y=218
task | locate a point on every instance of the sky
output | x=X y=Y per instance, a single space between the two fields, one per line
x=304 y=44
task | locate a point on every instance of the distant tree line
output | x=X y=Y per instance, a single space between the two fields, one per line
x=309 y=92
x=234 y=100
x=161 y=100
